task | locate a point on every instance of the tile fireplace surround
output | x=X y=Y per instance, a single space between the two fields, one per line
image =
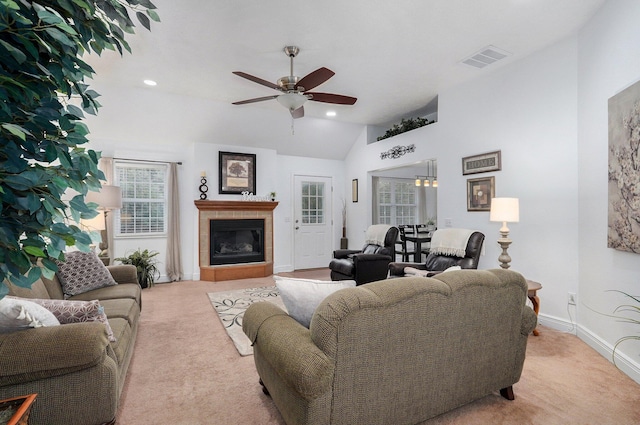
x=225 y=210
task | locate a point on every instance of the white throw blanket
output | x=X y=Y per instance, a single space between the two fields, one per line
x=450 y=242
x=376 y=234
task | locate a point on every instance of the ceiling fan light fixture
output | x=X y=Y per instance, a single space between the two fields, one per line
x=291 y=101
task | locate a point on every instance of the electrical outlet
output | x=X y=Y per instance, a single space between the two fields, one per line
x=572 y=298
x=448 y=222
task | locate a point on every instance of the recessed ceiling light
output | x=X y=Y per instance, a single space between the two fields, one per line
x=150 y=83
x=331 y=113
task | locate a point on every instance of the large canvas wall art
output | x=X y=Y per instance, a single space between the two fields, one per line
x=624 y=170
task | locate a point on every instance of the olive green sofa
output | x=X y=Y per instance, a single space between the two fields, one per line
x=397 y=351
x=76 y=371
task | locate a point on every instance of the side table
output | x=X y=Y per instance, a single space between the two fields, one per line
x=532 y=289
x=15 y=411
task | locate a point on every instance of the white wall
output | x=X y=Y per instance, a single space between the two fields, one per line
x=527 y=111
x=608 y=62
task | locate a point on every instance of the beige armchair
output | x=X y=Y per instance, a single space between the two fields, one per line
x=394 y=351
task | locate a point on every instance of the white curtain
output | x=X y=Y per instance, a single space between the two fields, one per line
x=173 y=260
x=106 y=166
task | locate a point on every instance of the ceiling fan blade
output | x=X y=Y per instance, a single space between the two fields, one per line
x=257 y=80
x=315 y=78
x=298 y=113
x=257 y=99
x=332 y=98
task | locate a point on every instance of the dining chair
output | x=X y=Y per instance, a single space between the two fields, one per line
x=405 y=251
x=424 y=230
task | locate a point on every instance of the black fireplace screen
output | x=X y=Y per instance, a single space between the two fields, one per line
x=237 y=241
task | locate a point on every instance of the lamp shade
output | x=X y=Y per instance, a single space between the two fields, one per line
x=505 y=210
x=95 y=223
x=291 y=101
x=109 y=197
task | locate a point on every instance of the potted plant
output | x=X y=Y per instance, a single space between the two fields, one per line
x=272 y=195
x=145 y=266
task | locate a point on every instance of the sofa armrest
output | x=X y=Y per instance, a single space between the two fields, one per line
x=40 y=353
x=288 y=348
x=529 y=320
x=124 y=273
x=344 y=253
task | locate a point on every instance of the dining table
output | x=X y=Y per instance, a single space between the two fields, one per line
x=418 y=239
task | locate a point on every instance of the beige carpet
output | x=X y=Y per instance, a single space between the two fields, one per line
x=185 y=370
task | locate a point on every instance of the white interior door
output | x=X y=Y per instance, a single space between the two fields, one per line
x=312 y=222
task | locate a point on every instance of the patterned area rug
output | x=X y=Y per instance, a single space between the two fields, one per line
x=231 y=305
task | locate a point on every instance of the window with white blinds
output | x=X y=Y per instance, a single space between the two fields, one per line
x=396 y=200
x=144 y=198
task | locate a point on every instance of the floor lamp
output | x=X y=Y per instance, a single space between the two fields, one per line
x=108 y=199
x=506 y=210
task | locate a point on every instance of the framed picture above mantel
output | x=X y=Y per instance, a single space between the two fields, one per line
x=237 y=173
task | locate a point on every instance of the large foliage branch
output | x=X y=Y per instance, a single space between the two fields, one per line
x=43 y=98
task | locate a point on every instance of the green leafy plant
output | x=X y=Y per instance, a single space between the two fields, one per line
x=626 y=313
x=145 y=266
x=43 y=98
x=404 y=126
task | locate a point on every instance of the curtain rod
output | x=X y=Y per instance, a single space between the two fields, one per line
x=147 y=160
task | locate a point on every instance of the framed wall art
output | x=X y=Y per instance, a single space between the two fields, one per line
x=479 y=193
x=624 y=171
x=490 y=161
x=237 y=173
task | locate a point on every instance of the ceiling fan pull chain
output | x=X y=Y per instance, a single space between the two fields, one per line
x=292 y=127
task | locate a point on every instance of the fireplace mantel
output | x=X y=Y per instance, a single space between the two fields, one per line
x=221 y=210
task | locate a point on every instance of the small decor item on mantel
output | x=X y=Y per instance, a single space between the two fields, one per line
x=203 y=186
x=272 y=195
x=145 y=266
x=404 y=126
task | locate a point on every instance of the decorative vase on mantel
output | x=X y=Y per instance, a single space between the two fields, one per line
x=344 y=242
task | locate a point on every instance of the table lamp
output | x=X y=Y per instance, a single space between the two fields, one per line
x=506 y=210
x=108 y=198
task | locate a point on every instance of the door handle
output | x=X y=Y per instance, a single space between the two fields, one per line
x=297 y=227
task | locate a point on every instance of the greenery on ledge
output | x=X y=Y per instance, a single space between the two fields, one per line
x=43 y=99
x=404 y=126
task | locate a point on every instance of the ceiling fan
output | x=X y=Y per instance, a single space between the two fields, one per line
x=294 y=89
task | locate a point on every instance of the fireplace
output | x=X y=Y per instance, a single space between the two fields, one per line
x=236 y=241
x=244 y=213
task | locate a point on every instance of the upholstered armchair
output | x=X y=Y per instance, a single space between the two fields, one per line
x=371 y=262
x=449 y=247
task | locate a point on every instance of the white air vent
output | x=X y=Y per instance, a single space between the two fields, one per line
x=485 y=56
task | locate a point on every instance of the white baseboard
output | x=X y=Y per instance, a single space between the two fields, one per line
x=627 y=365
x=623 y=362
x=283 y=269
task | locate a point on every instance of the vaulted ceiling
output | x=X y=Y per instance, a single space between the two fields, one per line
x=394 y=56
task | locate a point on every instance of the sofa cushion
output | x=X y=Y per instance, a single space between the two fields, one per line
x=302 y=296
x=122 y=290
x=81 y=272
x=68 y=311
x=17 y=314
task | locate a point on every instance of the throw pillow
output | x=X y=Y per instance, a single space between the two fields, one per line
x=81 y=272
x=302 y=296
x=68 y=311
x=18 y=313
